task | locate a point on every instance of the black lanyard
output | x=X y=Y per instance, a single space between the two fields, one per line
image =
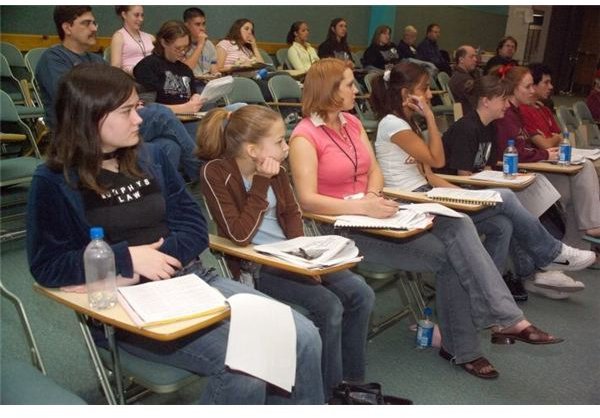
x=355 y=161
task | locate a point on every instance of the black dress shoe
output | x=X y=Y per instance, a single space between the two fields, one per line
x=515 y=286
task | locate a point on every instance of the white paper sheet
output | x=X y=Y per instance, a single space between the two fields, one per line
x=433 y=208
x=262 y=339
x=539 y=196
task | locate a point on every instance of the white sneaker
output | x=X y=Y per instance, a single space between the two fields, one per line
x=557 y=280
x=548 y=293
x=571 y=259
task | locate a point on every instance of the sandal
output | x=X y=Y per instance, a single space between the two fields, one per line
x=529 y=335
x=474 y=367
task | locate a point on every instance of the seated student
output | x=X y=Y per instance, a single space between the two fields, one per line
x=593 y=99
x=504 y=54
x=580 y=193
x=77 y=28
x=335 y=44
x=335 y=173
x=469 y=146
x=300 y=54
x=252 y=200
x=238 y=47
x=129 y=45
x=465 y=71
x=428 y=50
x=156 y=236
x=382 y=52
x=202 y=55
x=165 y=73
x=406 y=45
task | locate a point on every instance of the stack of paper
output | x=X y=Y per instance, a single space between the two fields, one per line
x=433 y=208
x=215 y=89
x=578 y=154
x=498 y=177
x=313 y=252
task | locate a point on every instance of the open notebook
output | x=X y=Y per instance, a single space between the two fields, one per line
x=313 y=252
x=215 y=89
x=451 y=194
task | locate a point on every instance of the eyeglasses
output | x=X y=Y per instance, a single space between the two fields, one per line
x=180 y=48
x=89 y=22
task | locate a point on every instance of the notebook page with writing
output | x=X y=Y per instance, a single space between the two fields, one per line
x=402 y=220
x=498 y=177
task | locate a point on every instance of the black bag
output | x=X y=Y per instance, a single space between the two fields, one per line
x=365 y=394
x=554 y=220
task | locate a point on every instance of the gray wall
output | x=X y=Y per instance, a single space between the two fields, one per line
x=271 y=23
x=460 y=24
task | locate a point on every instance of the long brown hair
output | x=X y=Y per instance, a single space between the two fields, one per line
x=321 y=85
x=86 y=95
x=221 y=133
x=169 y=32
x=386 y=96
x=235 y=34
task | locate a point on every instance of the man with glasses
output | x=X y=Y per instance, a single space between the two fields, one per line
x=77 y=27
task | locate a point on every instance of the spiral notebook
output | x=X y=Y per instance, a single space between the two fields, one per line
x=480 y=197
x=404 y=220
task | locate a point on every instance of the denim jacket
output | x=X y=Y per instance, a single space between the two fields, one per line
x=57 y=231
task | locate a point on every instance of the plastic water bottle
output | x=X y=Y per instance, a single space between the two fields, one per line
x=510 y=160
x=564 y=150
x=261 y=74
x=425 y=330
x=100 y=277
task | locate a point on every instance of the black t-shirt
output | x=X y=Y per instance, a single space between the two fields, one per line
x=405 y=51
x=132 y=210
x=379 y=56
x=469 y=145
x=331 y=48
x=173 y=82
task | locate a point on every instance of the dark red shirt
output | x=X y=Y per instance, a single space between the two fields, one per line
x=538 y=118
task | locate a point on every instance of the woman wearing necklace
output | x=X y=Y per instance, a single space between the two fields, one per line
x=301 y=54
x=129 y=45
x=335 y=173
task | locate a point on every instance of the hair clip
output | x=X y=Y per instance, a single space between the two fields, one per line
x=502 y=71
x=386 y=76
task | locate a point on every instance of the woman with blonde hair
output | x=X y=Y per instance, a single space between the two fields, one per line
x=250 y=196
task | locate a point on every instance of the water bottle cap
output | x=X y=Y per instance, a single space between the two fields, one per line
x=96 y=232
x=427 y=311
x=511 y=142
x=566 y=134
x=262 y=73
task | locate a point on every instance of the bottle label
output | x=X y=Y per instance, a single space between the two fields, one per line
x=424 y=336
x=510 y=162
x=564 y=153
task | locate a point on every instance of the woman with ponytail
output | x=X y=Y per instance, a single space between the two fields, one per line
x=250 y=196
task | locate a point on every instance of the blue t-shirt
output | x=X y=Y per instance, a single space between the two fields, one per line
x=269 y=230
x=53 y=64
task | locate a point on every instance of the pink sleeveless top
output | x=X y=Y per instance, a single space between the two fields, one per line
x=134 y=51
x=343 y=163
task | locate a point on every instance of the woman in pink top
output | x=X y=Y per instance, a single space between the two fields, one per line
x=129 y=45
x=335 y=173
x=238 y=47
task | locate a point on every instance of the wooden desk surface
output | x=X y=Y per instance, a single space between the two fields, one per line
x=226 y=246
x=118 y=317
x=551 y=168
x=12 y=137
x=454 y=179
x=190 y=117
x=420 y=197
x=392 y=233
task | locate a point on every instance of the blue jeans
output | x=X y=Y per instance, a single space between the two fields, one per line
x=509 y=224
x=340 y=307
x=204 y=353
x=161 y=126
x=470 y=292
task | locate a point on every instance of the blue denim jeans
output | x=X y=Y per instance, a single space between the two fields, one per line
x=470 y=292
x=340 y=308
x=510 y=225
x=161 y=126
x=204 y=353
